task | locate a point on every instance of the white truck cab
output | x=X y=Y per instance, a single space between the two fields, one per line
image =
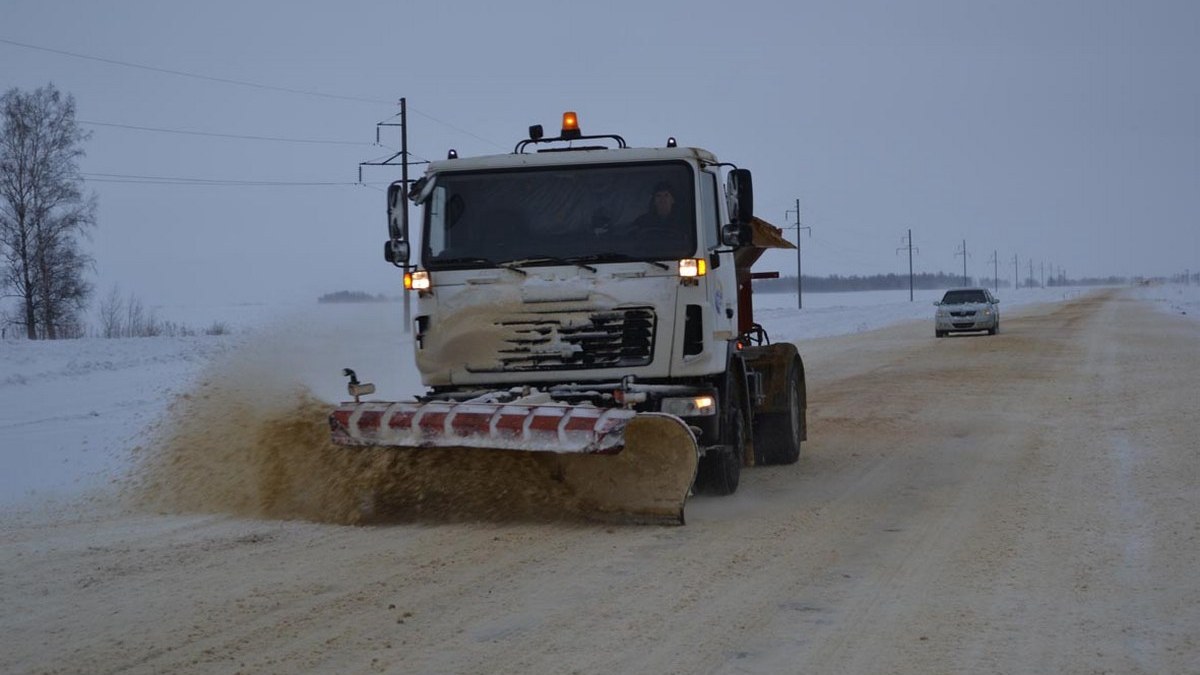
x=601 y=275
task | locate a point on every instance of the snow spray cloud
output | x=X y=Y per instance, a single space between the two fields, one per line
x=251 y=439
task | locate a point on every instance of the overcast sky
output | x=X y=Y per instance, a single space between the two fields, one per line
x=1066 y=133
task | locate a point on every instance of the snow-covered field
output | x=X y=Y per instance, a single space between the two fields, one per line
x=73 y=413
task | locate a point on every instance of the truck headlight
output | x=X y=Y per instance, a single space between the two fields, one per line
x=693 y=406
x=417 y=280
x=693 y=267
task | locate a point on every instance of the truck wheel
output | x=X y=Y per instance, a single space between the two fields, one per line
x=720 y=469
x=777 y=436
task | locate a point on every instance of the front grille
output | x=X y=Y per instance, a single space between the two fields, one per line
x=968 y=313
x=578 y=340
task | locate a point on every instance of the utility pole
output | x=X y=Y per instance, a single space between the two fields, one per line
x=799 y=273
x=995 y=272
x=1042 y=265
x=1034 y=281
x=390 y=161
x=1016 y=274
x=910 y=265
x=963 y=253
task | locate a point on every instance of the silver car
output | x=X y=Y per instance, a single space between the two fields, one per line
x=967 y=309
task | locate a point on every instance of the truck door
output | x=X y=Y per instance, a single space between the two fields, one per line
x=721 y=279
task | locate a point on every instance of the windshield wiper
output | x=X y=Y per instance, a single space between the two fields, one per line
x=477 y=262
x=551 y=259
x=613 y=256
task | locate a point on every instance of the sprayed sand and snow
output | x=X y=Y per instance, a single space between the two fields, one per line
x=1011 y=504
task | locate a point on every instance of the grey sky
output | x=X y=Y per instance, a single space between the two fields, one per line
x=1063 y=132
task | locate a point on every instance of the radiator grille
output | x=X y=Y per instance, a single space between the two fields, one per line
x=578 y=340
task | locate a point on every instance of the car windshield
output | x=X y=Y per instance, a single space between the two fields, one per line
x=963 y=297
x=561 y=214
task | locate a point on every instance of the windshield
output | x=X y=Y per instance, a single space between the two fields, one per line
x=963 y=297
x=592 y=213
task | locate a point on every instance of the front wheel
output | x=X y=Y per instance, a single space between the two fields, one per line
x=720 y=468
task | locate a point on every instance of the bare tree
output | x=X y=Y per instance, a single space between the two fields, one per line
x=43 y=212
x=112 y=307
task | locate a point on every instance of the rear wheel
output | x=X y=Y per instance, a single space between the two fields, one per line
x=939 y=333
x=777 y=435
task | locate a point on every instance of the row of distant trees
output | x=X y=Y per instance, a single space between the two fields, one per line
x=925 y=281
x=43 y=214
x=872 y=282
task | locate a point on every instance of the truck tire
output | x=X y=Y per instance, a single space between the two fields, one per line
x=777 y=435
x=720 y=468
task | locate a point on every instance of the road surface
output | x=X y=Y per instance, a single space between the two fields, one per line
x=1011 y=504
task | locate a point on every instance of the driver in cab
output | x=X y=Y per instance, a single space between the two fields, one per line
x=662 y=215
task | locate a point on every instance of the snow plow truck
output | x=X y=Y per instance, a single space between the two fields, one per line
x=589 y=303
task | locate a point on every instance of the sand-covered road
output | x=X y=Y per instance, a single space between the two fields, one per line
x=1012 y=504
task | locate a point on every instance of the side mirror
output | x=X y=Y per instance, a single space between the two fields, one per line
x=396 y=252
x=937 y=303
x=739 y=191
x=736 y=236
x=395 y=210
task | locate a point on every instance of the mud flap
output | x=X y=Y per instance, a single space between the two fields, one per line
x=647 y=482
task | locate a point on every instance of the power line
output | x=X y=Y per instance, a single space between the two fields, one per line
x=238 y=136
x=241 y=83
x=220 y=135
x=178 y=180
x=461 y=131
x=181 y=73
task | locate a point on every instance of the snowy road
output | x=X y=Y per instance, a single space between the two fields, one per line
x=1009 y=504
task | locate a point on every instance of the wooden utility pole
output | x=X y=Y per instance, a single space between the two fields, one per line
x=995 y=271
x=404 y=181
x=799 y=272
x=910 y=262
x=963 y=253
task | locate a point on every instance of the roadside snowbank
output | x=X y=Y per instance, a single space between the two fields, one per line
x=1172 y=298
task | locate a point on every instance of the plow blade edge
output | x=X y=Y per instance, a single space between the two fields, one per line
x=606 y=464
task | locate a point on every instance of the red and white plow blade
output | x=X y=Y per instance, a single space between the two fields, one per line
x=531 y=428
x=607 y=464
